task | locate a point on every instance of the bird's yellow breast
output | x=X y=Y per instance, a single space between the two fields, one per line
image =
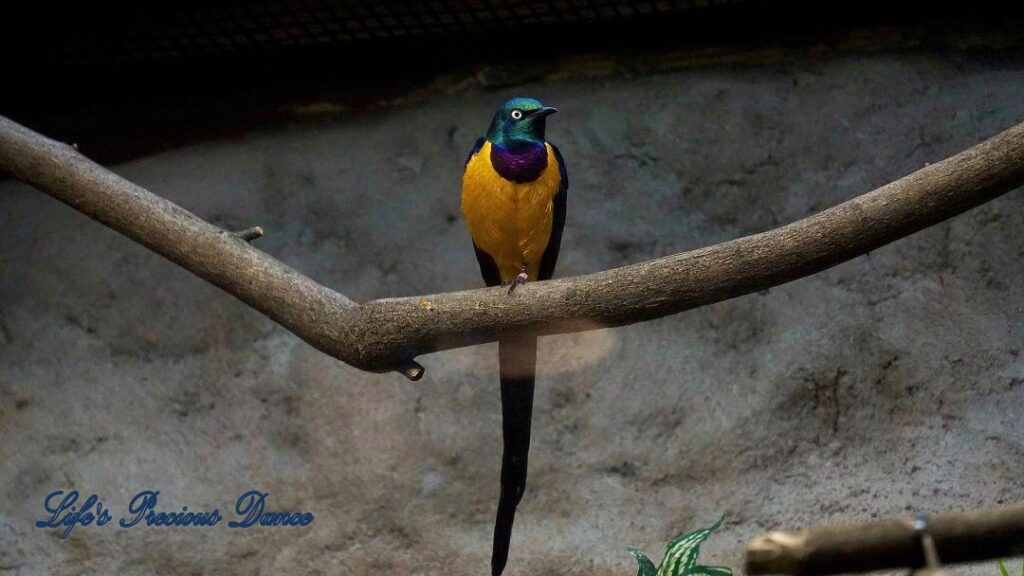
x=511 y=221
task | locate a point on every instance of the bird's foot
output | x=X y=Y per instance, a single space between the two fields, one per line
x=519 y=280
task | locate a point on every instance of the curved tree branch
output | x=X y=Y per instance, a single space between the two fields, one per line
x=388 y=334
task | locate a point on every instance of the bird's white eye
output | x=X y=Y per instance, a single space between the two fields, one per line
x=516 y=114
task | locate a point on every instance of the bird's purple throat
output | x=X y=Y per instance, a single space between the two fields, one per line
x=522 y=163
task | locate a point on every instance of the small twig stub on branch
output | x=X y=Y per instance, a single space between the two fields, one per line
x=249 y=234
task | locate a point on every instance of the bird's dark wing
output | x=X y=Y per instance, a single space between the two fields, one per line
x=476 y=148
x=550 y=257
x=488 y=269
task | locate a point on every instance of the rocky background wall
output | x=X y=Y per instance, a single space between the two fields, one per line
x=888 y=385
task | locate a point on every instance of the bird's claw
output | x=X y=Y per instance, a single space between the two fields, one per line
x=520 y=279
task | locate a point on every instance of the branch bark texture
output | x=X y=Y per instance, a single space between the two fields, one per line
x=965 y=537
x=388 y=334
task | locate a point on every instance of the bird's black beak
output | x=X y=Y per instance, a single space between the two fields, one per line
x=545 y=111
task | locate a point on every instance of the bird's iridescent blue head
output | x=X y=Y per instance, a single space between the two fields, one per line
x=519 y=122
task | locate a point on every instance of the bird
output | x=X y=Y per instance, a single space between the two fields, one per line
x=514 y=190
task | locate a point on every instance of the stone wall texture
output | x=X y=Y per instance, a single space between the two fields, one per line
x=891 y=384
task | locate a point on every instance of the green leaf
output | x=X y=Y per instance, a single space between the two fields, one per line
x=681 y=554
x=699 y=570
x=646 y=567
x=1002 y=568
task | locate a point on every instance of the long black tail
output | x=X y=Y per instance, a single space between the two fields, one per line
x=517 y=361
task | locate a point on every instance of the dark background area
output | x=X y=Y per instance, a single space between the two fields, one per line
x=137 y=79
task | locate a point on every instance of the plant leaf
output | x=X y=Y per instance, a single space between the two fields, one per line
x=1002 y=568
x=699 y=570
x=681 y=554
x=646 y=567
